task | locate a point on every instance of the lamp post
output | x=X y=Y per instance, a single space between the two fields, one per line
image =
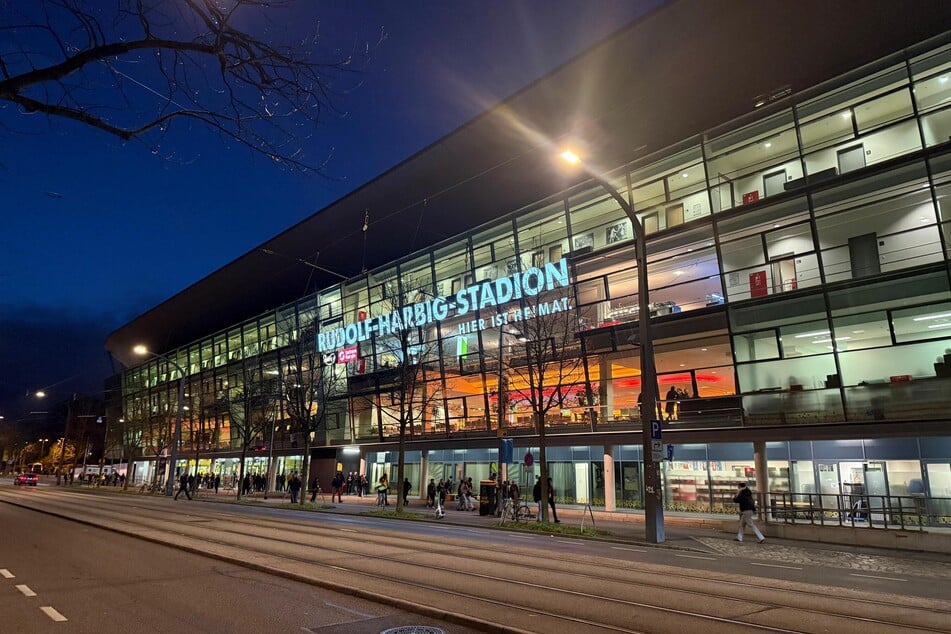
x=653 y=506
x=176 y=441
x=62 y=442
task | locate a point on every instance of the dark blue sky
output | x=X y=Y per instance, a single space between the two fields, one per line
x=96 y=231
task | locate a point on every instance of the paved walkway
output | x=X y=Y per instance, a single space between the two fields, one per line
x=683 y=531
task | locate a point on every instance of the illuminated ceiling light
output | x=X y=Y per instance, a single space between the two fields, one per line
x=272 y=372
x=857 y=332
x=943 y=79
x=927 y=317
x=678 y=273
x=776 y=226
x=767 y=145
x=683 y=364
x=812 y=334
x=933 y=326
x=685 y=174
x=703 y=349
x=847 y=114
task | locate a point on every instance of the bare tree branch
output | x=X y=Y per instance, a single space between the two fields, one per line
x=133 y=68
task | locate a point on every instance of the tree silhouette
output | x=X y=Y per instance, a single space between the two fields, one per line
x=133 y=67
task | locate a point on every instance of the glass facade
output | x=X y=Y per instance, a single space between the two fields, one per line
x=798 y=274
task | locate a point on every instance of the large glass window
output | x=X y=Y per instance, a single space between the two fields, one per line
x=754 y=162
x=865 y=229
x=932 y=92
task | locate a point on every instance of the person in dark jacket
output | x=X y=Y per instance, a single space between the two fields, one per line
x=537 y=497
x=431 y=493
x=406 y=489
x=294 y=486
x=183 y=486
x=747 y=508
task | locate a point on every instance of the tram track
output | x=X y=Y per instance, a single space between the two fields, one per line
x=750 y=606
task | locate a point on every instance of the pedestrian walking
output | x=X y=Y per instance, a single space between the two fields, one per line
x=537 y=497
x=381 y=492
x=431 y=493
x=336 y=487
x=747 y=507
x=551 y=501
x=406 y=489
x=183 y=486
x=294 y=485
x=217 y=483
x=314 y=489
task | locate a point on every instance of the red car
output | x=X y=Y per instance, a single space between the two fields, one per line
x=26 y=478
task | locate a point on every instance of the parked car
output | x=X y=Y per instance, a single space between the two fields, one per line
x=26 y=478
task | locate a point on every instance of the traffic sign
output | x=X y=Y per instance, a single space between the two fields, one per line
x=655 y=430
x=657 y=450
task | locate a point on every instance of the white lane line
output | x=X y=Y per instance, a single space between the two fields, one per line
x=855 y=574
x=567 y=541
x=6 y=574
x=753 y=563
x=53 y=614
x=631 y=550
x=522 y=536
x=348 y=530
x=26 y=590
x=696 y=557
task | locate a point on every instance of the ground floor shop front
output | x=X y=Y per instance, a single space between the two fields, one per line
x=700 y=477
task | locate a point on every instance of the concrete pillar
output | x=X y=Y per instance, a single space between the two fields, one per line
x=605 y=389
x=762 y=481
x=423 y=473
x=610 y=500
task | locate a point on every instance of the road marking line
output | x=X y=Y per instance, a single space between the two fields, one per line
x=6 y=574
x=696 y=557
x=348 y=530
x=343 y=609
x=53 y=614
x=523 y=536
x=855 y=574
x=633 y=550
x=567 y=541
x=26 y=590
x=753 y=563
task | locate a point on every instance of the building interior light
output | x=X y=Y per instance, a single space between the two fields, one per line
x=933 y=326
x=943 y=79
x=812 y=334
x=927 y=317
x=703 y=349
x=767 y=145
x=685 y=174
x=847 y=114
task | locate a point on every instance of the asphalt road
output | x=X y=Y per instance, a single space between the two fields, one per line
x=511 y=581
x=60 y=576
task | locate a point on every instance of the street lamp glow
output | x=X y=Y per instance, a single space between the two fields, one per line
x=570 y=157
x=40 y=394
x=140 y=350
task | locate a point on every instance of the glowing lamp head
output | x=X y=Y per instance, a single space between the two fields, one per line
x=140 y=350
x=570 y=157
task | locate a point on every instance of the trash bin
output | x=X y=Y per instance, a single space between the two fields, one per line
x=487 y=497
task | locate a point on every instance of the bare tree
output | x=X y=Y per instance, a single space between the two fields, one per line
x=157 y=437
x=253 y=400
x=243 y=68
x=543 y=366
x=407 y=381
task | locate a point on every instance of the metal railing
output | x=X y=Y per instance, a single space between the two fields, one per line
x=856 y=510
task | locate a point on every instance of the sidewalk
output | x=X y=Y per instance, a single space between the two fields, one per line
x=693 y=531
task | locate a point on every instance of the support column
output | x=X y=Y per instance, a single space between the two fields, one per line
x=610 y=497
x=762 y=481
x=605 y=389
x=423 y=473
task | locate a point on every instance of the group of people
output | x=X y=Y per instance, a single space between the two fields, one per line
x=189 y=482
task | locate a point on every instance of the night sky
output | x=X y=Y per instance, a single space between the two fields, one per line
x=96 y=231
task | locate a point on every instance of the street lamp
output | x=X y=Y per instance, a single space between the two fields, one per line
x=173 y=454
x=62 y=442
x=653 y=508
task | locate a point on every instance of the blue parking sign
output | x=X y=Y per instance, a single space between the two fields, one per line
x=655 y=430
